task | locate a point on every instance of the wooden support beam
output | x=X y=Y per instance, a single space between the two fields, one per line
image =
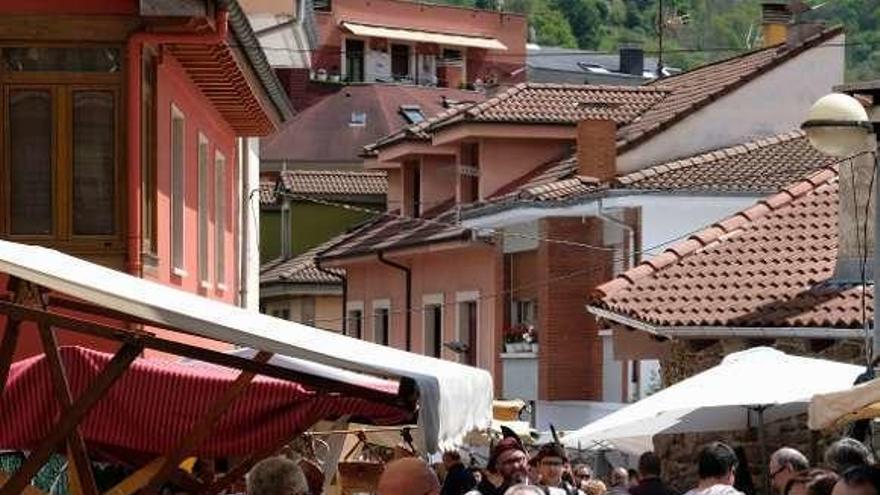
x=406 y=397
x=78 y=410
x=203 y=428
x=29 y=490
x=84 y=479
x=7 y=350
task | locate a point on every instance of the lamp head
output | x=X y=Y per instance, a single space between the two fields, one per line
x=837 y=125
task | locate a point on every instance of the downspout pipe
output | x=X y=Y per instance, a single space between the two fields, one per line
x=631 y=233
x=344 y=280
x=133 y=52
x=407 y=272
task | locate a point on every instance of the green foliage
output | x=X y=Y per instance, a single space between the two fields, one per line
x=696 y=31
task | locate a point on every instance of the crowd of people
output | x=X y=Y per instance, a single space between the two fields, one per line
x=846 y=469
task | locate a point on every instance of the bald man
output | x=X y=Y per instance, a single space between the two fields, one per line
x=408 y=476
x=619 y=482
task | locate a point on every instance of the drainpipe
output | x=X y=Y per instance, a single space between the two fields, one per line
x=133 y=107
x=344 y=280
x=408 y=274
x=631 y=233
x=600 y=213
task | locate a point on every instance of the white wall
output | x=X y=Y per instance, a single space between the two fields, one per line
x=775 y=102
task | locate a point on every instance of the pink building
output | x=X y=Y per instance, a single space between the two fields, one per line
x=503 y=224
x=124 y=123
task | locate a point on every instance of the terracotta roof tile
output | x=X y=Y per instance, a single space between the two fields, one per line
x=267 y=193
x=301 y=269
x=639 y=111
x=391 y=232
x=760 y=167
x=334 y=182
x=775 y=271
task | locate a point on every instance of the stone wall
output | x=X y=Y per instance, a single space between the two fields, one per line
x=688 y=357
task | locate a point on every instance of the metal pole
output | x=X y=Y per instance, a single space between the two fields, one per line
x=762 y=442
x=875 y=270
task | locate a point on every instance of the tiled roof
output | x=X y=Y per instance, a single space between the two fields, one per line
x=640 y=112
x=322 y=133
x=300 y=269
x=767 y=266
x=762 y=166
x=390 y=232
x=334 y=182
x=267 y=193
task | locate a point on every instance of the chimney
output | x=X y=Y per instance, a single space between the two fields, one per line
x=632 y=60
x=597 y=149
x=776 y=18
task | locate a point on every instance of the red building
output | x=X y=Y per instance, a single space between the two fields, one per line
x=123 y=124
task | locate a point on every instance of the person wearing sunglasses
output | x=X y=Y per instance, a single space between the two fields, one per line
x=785 y=463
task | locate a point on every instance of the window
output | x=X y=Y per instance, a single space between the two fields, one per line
x=204 y=211
x=31 y=170
x=358 y=119
x=355 y=323
x=400 y=61
x=60 y=162
x=381 y=325
x=354 y=60
x=220 y=219
x=412 y=113
x=525 y=312
x=451 y=55
x=178 y=188
x=470 y=172
x=94 y=177
x=467 y=331
x=414 y=186
x=433 y=329
x=149 y=215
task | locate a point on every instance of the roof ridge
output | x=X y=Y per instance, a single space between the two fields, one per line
x=377 y=173
x=723 y=228
x=710 y=156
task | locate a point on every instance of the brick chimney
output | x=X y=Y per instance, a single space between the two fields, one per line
x=776 y=19
x=597 y=149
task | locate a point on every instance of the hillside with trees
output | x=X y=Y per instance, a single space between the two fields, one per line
x=696 y=31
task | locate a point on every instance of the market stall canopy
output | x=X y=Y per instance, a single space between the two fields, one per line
x=395 y=33
x=838 y=408
x=722 y=398
x=453 y=398
x=153 y=404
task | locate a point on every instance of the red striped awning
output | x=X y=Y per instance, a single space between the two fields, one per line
x=156 y=402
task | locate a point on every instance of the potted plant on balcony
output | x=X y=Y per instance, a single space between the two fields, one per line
x=531 y=337
x=513 y=337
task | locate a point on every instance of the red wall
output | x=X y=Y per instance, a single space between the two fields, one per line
x=510 y=29
x=174 y=87
x=58 y=7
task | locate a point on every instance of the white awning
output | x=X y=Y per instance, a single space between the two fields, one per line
x=453 y=398
x=423 y=36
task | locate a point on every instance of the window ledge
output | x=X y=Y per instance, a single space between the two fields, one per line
x=221 y=287
x=205 y=285
x=179 y=272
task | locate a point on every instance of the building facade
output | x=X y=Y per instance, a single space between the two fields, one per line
x=124 y=126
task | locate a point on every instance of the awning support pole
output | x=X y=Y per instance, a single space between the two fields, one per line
x=75 y=445
x=203 y=428
x=762 y=442
x=78 y=410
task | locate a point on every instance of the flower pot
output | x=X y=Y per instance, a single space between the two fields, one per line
x=524 y=347
x=534 y=347
x=509 y=347
x=322 y=75
x=334 y=78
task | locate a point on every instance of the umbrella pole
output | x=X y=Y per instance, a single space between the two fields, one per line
x=762 y=443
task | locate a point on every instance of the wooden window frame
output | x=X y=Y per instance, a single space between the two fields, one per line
x=62 y=86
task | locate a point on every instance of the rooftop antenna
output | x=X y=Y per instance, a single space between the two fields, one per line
x=660 y=40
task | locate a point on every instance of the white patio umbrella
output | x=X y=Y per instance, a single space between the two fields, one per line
x=746 y=389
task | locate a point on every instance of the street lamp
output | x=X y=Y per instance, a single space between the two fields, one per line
x=838 y=125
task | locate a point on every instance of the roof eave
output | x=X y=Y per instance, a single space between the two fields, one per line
x=719 y=332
